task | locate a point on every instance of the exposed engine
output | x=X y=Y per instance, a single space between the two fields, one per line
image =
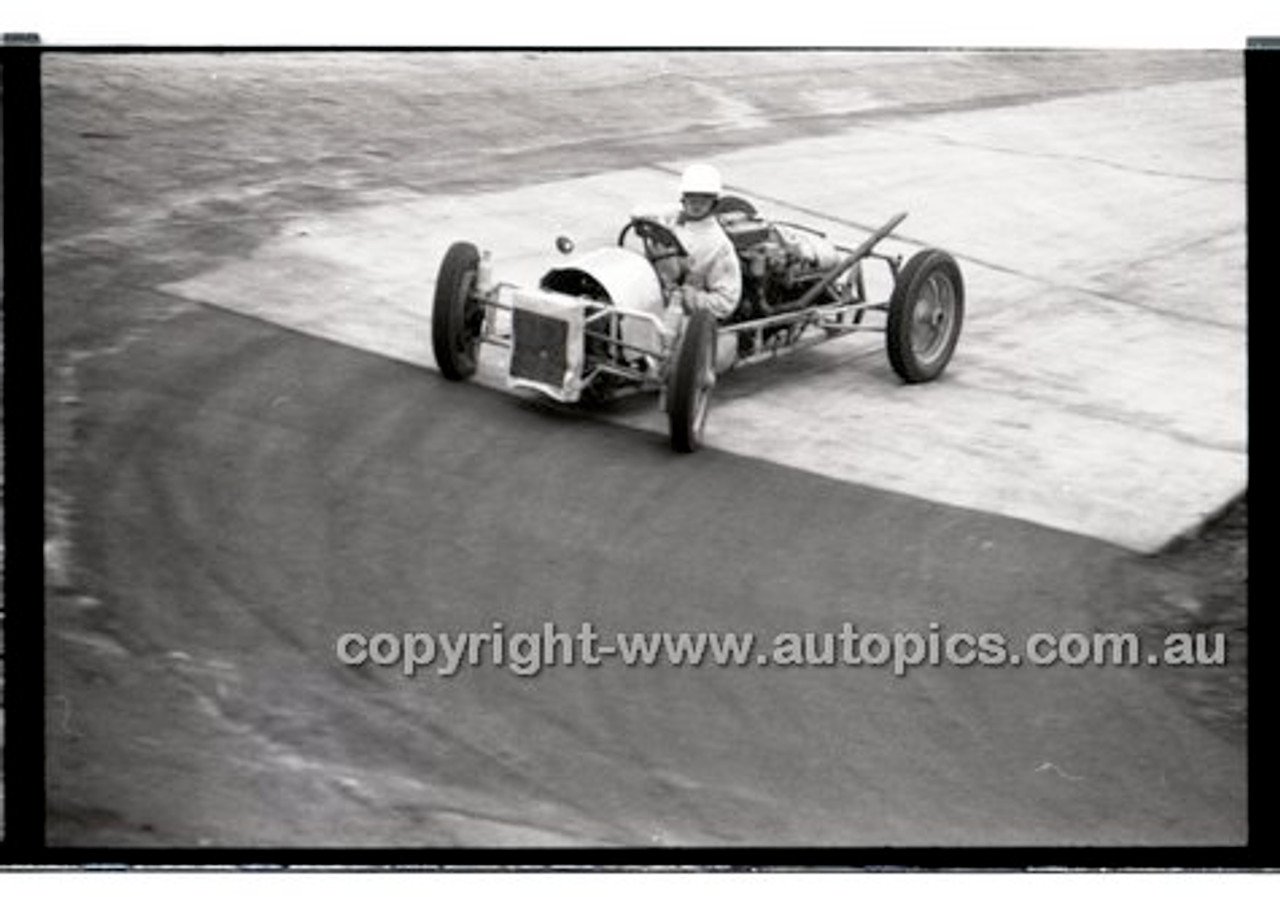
x=780 y=262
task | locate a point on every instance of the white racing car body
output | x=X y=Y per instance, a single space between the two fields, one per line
x=549 y=327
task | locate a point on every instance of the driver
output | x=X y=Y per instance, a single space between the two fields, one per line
x=709 y=276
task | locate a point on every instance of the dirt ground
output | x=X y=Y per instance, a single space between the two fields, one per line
x=160 y=167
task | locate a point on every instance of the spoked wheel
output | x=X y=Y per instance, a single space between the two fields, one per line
x=457 y=315
x=925 y=315
x=693 y=376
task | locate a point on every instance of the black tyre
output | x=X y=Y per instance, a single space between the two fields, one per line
x=730 y=205
x=693 y=376
x=925 y=315
x=456 y=315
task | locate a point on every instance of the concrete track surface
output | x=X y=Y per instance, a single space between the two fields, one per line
x=230 y=493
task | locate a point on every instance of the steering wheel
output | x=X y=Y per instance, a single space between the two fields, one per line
x=660 y=242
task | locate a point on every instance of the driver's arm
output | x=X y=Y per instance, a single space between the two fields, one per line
x=721 y=287
x=671 y=269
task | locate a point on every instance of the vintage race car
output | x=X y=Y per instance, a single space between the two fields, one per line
x=600 y=327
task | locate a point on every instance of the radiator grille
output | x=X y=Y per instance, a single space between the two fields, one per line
x=538 y=347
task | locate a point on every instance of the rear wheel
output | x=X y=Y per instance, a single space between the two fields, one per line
x=456 y=314
x=693 y=376
x=925 y=315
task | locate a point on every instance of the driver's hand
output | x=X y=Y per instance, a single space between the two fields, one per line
x=675 y=297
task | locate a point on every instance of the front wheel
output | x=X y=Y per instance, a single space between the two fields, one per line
x=925 y=314
x=456 y=314
x=693 y=376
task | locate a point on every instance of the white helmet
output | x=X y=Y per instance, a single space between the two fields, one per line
x=701 y=178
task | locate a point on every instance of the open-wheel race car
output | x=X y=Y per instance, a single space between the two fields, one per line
x=600 y=327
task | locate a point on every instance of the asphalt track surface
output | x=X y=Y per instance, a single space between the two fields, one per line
x=231 y=495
